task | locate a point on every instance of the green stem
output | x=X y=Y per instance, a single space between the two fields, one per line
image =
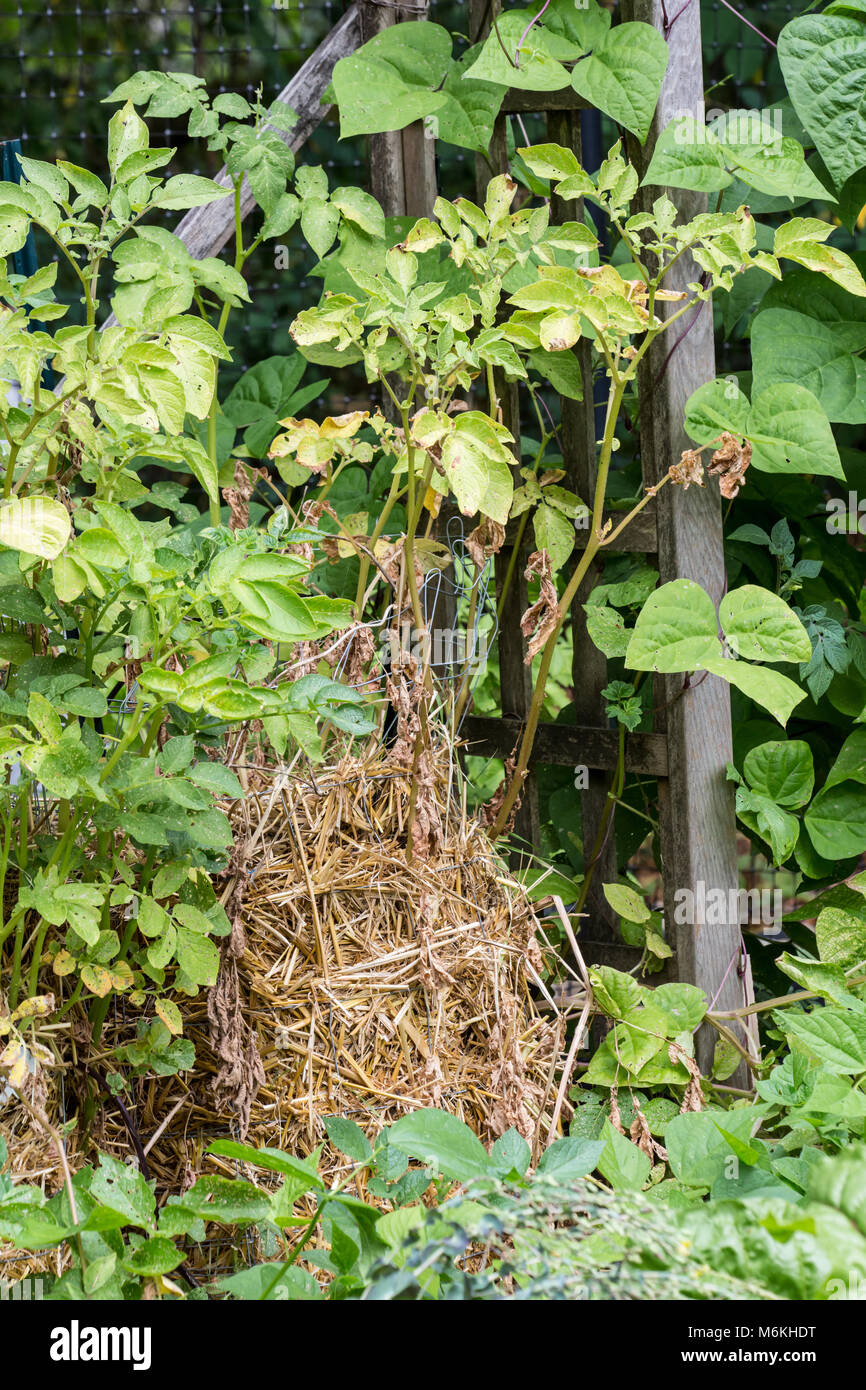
x=565 y=603
x=214 y=502
x=409 y=548
x=613 y=796
x=364 y=571
x=521 y=530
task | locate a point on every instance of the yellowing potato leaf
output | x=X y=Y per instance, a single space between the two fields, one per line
x=36 y=526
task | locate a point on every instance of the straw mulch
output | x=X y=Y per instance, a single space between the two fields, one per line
x=358 y=983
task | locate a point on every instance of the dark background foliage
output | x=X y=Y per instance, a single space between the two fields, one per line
x=57 y=61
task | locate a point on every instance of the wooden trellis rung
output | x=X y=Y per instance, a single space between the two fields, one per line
x=567 y=745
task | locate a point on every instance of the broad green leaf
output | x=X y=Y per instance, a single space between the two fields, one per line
x=273 y=610
x=676 y=630
x=216 y=778
x=778 y=827
x=124 y=1190
x=91 y=191
x=361 y=208
x=571 y=28
x=684 y=1004
x=177 y=753
x=42 y=714
x=836 y=820
x=228 y=1200
x=838 y=1181
x=841 y=937
x=623 y=75
x=760 y=626
x=617 y=994
x=158 y=1255
x=35 y=525
x=98 y=546
x=802 y=240
x=553 y=533
x=272 y=1160
x=550 y=161
x=834 y=1035
x=164 y=390
x=14 y=229
x=698 y=1150
x=348 y=1137
x=561 y=369
x=393 y=80
x=221 y=278
x=511 y=1153
x=823 y=60
x=768 y=688
x=626 y=902
x=198 y=957
x=791 y=434
x=826 y=978
x=607 y=629
x=270 y=1283
x=688 y=155
x=534 y=69
x=777 y=169
x=850 y=764
x=470 y=109
x=477 y=466
x=786 y=426
x=127 y=134
x=795 y=347
x=188 y=191
x=781 y=771
x=718 y=406
x=443 y=1142
x=319 y=222
x=622 y=1163
x=571 y=1158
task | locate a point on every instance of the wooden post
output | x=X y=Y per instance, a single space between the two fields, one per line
x=402 y=162
x=698 y=830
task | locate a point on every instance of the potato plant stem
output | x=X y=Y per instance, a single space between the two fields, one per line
x=593 y=544
x=613 y=796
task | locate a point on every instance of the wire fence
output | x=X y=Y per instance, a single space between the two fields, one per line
x=58 y=61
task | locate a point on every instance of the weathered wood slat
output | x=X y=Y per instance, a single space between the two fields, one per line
x=402 y=162
x=530 y=103
x=638 y=538
x=565 y=745
x=697 y=809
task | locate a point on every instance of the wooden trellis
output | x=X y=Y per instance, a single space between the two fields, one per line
x=681 y=531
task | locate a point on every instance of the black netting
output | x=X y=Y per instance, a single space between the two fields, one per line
x=58 y=61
